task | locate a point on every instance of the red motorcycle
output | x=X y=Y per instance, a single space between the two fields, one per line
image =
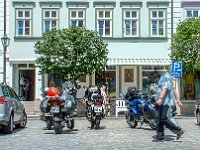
x=97 y=111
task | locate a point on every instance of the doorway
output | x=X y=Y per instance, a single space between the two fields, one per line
x=27 y=85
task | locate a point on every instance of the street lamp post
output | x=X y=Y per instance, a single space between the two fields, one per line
x=5 y=42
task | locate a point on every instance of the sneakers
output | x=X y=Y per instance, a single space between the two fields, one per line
x=179 y=134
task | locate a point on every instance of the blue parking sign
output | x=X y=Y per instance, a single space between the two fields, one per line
x=176 y=69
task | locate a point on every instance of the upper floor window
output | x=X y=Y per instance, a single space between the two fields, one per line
x=157 y=23
x=104 y=23
x=192 y=13
x=131 y=23
x=23 y=22
x=77 y=18
x=50 y=20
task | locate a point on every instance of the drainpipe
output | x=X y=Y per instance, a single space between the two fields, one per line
x=177 y=81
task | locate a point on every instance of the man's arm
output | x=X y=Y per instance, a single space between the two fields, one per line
x=162 y=94
x=177 y=100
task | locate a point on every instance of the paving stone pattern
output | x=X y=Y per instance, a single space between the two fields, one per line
x=114 y=134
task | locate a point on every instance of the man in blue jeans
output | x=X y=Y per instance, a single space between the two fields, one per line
x=165 y=99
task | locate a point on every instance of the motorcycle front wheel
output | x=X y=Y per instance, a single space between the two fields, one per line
x=131 y=121
x=57 y=128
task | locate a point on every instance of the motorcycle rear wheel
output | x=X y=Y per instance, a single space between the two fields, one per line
x=131 y=121
x=57 y=128
x=97 y=123
x=70 y=124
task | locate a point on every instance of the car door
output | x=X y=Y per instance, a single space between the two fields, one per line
x=9 y=102
x=15 y=105
x=20 y=106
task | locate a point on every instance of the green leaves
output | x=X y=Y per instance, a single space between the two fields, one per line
x=71 y=53
x=186 y=44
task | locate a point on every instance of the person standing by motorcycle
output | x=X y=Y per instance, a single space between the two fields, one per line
x=104 y=96
x=165 y=99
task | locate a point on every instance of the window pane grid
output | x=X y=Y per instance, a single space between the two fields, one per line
x=77 y=18
x=104 y=23
x=192 y=13
x=50 y=20
x=157 y=22
x=131 y=22
x=23 y=22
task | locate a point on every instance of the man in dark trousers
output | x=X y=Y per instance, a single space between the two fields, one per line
x=165 y=100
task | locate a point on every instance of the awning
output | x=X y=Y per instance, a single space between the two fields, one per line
x=139 y=61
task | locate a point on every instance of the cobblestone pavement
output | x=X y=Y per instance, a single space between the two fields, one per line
x=114 y=134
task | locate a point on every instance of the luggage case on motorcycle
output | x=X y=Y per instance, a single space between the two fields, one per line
x=43 y=105
x=70 y=103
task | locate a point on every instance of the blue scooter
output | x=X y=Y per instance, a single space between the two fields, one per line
x=140 y=108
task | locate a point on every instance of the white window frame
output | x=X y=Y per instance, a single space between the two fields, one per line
x=131 y=18
x=24 y=19
x=50 y=19
x=192 y=11
x=77 y=18
x=104 y=19
x=158 y=19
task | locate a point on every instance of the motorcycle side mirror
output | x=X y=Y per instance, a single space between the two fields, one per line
x=121 y=94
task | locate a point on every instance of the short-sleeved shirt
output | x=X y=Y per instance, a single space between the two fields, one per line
x=166 y=82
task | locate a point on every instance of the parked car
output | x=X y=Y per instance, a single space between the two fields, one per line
x=12 y=111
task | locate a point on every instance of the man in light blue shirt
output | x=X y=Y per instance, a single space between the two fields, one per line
x=165 y=100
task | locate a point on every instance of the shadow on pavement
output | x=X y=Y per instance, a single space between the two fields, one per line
x=100 y=128
x=15 y=130
x=68 y=131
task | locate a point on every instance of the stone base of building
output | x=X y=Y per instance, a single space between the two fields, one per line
x=188 y=108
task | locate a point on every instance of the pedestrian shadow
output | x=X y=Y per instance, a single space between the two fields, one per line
x=68 y=131
x=142 y=128
x=168 y=138
x=100 y=128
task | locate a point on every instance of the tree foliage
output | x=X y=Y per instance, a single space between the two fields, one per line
x=186 y=44
x=71 y=53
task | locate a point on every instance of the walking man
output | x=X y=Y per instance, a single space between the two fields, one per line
x=165 y=99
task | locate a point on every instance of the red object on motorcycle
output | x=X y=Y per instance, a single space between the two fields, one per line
x=55 y=103
x=53 y=92
x=97 y=102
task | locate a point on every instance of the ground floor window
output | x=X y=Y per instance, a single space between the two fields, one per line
x=150 y=75
x=54 y=80
x=190 y=86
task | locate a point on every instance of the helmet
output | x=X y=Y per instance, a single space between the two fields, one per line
x=52 y=91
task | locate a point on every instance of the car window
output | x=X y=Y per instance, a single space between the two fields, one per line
x=5 y=91
x=12 y=93
x=1 y=94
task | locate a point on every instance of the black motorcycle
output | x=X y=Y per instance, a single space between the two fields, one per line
x=58 y=112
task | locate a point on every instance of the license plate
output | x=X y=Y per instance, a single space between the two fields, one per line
x=55 y=109
x=97 y=109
